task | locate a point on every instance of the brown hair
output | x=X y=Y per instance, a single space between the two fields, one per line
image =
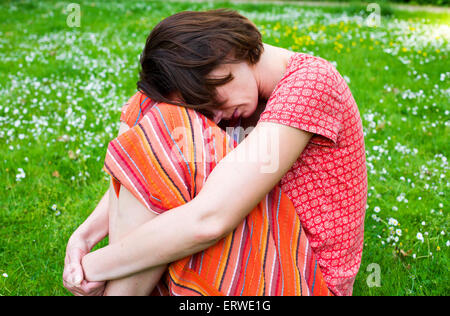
x=184 y=48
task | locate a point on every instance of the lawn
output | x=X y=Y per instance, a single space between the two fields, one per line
x=62 y=88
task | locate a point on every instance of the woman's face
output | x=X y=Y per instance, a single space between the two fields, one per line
x=240 y=94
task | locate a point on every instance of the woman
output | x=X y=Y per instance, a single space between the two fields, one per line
x=215 y=62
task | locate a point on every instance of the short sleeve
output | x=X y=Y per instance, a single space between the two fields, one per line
x=307 y=98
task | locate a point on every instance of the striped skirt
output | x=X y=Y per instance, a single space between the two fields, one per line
x=164 y=160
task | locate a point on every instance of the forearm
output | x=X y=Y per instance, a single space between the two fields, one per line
x=96 y=226
x=155 y=237
x=232 y=190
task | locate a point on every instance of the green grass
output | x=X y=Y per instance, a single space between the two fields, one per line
x=56 y=81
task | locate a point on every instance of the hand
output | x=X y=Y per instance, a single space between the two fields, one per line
x=73 y=275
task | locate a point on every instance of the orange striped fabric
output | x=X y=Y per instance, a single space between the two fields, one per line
x=164 y=160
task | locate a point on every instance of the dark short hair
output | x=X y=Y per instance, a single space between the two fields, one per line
x=184 y=48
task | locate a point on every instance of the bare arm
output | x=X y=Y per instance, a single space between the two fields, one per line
x=232 y=190
x=95 y=227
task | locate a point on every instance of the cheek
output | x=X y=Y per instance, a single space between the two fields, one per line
x=251 y=98
x=254 y=95
x=249 y=89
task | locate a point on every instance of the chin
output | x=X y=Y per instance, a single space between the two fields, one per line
x=250 y=113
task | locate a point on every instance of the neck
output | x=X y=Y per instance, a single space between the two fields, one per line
x=270 y=69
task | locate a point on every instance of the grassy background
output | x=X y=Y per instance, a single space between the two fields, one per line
x=61 y=90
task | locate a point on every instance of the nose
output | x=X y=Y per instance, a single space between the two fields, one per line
x=218 y=117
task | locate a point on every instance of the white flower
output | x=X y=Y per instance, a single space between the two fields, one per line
x=20 y=175
x=414 y=256
x=398 y=232
x=447 y=243
x=54 y=207
x=5 y=275
x=393 y=222
x=423 y=223
x=376 y=209
x=419 y=236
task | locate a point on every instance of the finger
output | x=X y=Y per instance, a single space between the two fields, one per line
x=75 y=291
x=75 y=254
x=66 y=259
x=76 y=274
x=70 y=287
x=67 y=266
x=96 y=292
x=91 y=287
x=71 y=281
x=79 y=291
x=67 y=263
x=67 y=271
x=67 y=281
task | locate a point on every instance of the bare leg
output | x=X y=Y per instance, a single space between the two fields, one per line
x=120 y=224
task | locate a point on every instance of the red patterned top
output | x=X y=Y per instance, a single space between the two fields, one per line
x=328 y=183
